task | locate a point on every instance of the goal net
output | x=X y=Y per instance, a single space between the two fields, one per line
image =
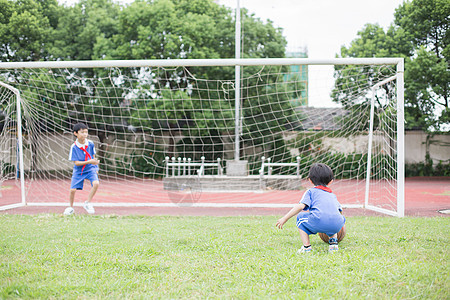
x=183 y=132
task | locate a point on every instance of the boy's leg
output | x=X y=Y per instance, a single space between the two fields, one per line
x=306 y=248
x=305 y=238
x=302 y=221
x=91 y=195
x=333 y=243
x=76 y=184
x=69 y=210
x=72 y=196
x=95 y=183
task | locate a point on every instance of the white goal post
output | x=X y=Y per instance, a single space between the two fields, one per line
x=142 y=111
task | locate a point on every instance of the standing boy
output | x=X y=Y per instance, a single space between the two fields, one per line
x=322 y=210
x=82 y=153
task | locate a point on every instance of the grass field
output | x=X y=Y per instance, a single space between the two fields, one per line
x=50 y=256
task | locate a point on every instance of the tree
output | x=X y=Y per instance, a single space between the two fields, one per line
x=160 y=29
x=194 y=29
x=82 y=28
x=373 y=41
x=420 y=34
x=26 y=27
x=427 y=24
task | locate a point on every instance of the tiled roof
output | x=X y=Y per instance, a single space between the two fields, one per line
x=320 y=118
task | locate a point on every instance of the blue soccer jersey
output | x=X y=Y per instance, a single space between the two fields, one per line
x=323 y=212
x=82 y=152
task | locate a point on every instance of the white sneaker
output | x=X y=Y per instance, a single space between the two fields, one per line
x=88 y=207
x=69 y=211
x=333 y=248
x=333 y=245
x=304 y=250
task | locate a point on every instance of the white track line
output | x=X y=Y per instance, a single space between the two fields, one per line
x=211 y=205
x=11 y=206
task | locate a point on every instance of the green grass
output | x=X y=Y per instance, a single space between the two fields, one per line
x=50 y=256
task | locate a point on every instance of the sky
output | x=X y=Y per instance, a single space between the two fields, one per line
x=322 y=26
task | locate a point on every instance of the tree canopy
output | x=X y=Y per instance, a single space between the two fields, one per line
x=43 y=30
x=32 y=30
x=420 y=34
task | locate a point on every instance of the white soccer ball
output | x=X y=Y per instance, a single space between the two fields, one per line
x=68 y=211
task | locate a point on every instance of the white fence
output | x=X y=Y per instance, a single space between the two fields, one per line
x=186 y=167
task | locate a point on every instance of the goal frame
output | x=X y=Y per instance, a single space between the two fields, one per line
x=399 y=77
x=400 y=212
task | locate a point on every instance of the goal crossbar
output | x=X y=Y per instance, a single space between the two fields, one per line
x=198 y=63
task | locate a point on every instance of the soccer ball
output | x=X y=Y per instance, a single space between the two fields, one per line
x=68 y=211
x=340 y=235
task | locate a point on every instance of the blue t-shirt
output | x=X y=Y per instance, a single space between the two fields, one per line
x=324 y=208
x=77 y=154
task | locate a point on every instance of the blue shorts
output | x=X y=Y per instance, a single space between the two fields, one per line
x=78 y=180
x=329 y=227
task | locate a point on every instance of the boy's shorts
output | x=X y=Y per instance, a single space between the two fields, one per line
x=304 y=224
x=78 y=180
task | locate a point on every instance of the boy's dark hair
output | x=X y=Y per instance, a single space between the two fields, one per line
x=320 y=174
x=77 y=127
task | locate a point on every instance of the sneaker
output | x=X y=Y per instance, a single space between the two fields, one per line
x=333 y=245
x=304 y=250
x=69 y=211
x=88 y=207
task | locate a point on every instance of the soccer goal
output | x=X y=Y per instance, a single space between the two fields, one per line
x=186 y=132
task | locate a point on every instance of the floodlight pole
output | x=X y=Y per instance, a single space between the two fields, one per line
x=237 y=83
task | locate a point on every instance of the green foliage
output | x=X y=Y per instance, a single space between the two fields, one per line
x=210 y=147
x=143 y=161
x=354 y=82
x=427 y=168
x=7 y=169
x=344 y=165
x=27 y=28
x=187 y=29
x=421 y=35
x=274 y=113
x=50 y=107
x=84 y=29
x=148 y=163
x=427 y=24
x=161 y=29
x=442 y=168
x=427 y=78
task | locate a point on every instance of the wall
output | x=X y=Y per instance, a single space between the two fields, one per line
x=416 y=144
x=54 y=150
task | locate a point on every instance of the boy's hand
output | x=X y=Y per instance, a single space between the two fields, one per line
x=94 y=161
x=280 y=223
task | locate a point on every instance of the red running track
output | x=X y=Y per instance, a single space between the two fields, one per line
x=424 y=196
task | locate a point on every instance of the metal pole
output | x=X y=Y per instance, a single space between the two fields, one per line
x=20 y=137
x=237 y=83
x=400 y=141
x=369 y=147
x=198 y=62
x=20 y=142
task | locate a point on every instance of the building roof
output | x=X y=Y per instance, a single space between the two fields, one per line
x=320 y=118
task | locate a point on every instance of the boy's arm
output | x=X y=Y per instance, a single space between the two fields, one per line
x=294 y=211
x=93 y=161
